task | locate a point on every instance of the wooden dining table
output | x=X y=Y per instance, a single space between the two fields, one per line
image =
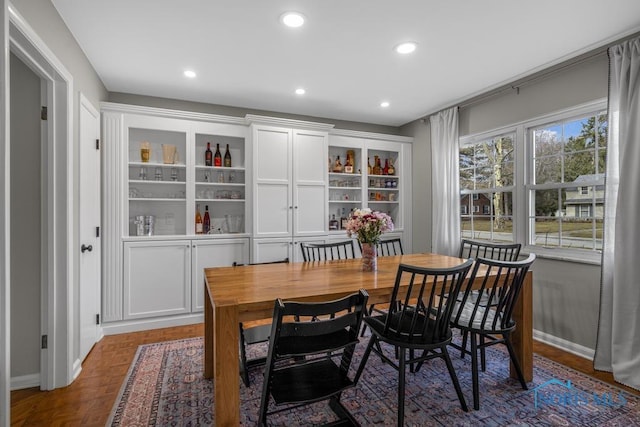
x=241 y=294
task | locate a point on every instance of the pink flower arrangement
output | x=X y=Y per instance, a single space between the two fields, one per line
x=368 y=225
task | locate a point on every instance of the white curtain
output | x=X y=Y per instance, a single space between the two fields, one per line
x=444 y=182
x=618 y=345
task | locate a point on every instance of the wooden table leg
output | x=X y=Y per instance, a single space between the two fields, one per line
x=522 y=337
x=208 y=334
x=226 y=367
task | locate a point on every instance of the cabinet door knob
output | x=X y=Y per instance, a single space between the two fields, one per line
x=84 y=248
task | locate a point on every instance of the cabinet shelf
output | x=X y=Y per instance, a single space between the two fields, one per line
x=383 y=202
x=221 y=168
x=383 y=188
x=345 y=201
x=156 y=199
x=220 y=184
x=158 y=165
x=220 y=200
x=345 y=188
x=342 y=174
x=152 y=181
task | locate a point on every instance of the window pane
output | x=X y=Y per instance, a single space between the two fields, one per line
x=581 y=233
x=546 y=231
x=579 y=134
x=484 y=177
x=466 y=179
x=578 y=164
x=504 y=175
x=548 y=169
x=547 y=203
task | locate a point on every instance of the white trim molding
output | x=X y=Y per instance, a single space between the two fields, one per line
x=562 y=344
x=25 y=381
x=122 y=327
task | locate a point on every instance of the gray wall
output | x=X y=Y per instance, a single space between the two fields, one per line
x=420 y=130
x=25 y=219
x=566 y=294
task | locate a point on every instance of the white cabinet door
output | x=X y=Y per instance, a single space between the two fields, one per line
x=272 y=195
x=157 y=278
x=270 y=250
x=310 y=177
x=213 y=253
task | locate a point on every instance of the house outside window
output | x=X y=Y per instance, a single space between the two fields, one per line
x=538 y=182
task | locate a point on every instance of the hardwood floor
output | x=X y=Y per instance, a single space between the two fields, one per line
x=89 y=399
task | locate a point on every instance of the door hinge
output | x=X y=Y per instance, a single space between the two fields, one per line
x=44 y=342
x=97 y=319
x=97 y=231
x=43 y=113
x=97 y=144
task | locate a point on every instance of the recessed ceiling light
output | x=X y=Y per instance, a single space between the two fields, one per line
x=407 y=47
x=190 y=73
x=384 y=104
x=300 y=91
x=292 y=19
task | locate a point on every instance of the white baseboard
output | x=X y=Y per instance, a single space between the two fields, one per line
x=562 y=344
x=25 y=381
x=125 y=326
x=77 y=368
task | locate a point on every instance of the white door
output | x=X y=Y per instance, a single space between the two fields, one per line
x=89 y=226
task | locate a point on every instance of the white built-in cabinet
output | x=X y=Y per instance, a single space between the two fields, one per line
x=280 y=190
x=156 y=272
x=289 y=188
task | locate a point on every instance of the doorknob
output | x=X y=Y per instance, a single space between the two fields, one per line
x=85 y=248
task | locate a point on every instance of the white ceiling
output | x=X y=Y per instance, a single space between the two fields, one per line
x=343 y=56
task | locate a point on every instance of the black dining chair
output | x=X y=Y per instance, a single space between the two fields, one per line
x=492 y=324
x=316 y=251
x=385 y=247
x=255 y=334
x=309 y=359
x=417 y=322
x=489 y=250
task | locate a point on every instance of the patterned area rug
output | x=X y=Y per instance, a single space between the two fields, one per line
x=165 y=387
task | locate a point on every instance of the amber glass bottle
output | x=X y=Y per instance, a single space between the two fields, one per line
x=227 y=158
x=199 y=227
x=217 y=157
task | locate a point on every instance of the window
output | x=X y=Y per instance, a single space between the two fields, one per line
x=540 y=182
x=486 y=173
x=568 y=161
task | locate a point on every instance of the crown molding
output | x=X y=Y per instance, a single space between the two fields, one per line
x=267 y=120
x=371 y=135
x=164 y=112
